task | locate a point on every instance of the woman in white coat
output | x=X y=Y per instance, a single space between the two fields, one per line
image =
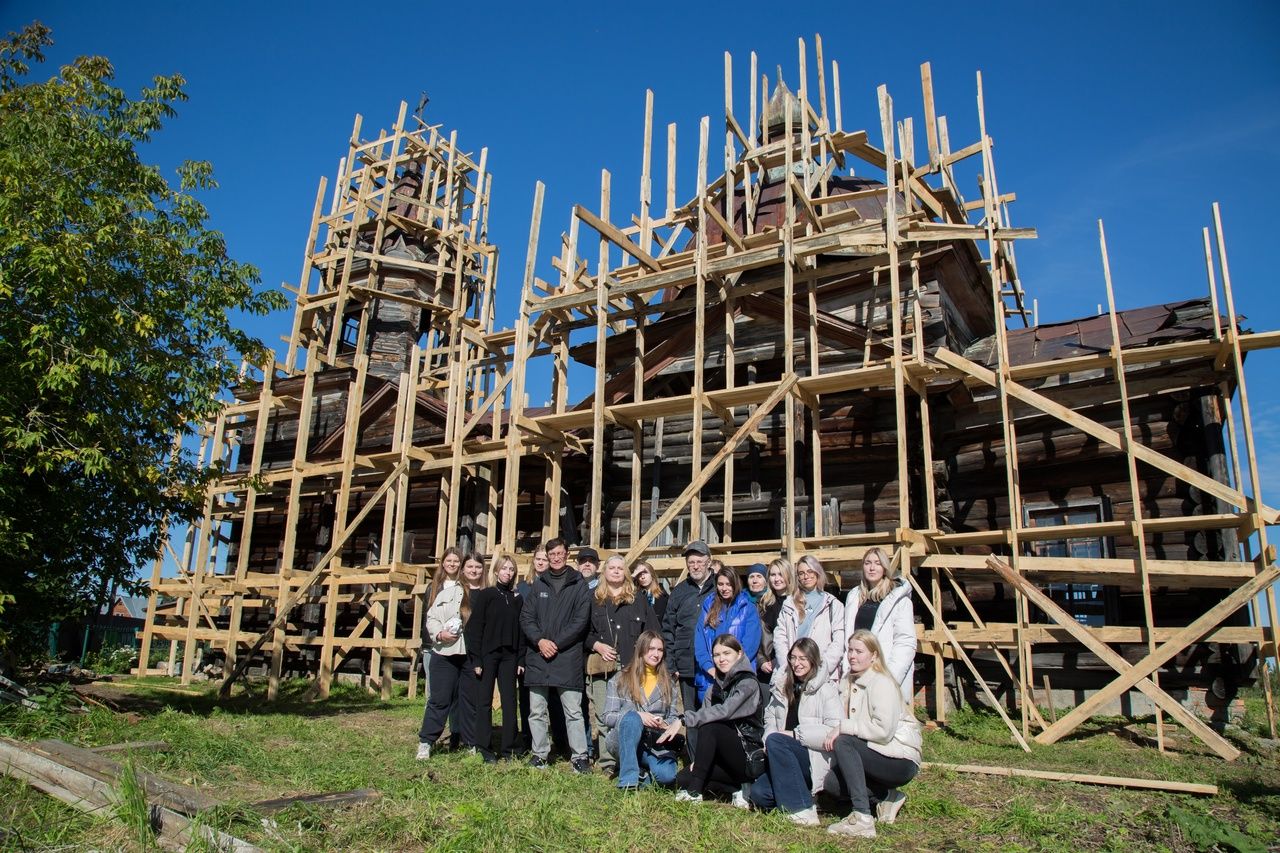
x=804 y=705
x=881 y=604
x=814 y=613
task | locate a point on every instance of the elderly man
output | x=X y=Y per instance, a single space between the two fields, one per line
x=681 y=618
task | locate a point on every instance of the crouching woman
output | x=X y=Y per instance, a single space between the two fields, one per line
x=804 y=705
x=639 y=705
x=877 y=744
x=728 y=752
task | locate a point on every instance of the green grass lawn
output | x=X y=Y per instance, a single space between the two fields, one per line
x=246 y=750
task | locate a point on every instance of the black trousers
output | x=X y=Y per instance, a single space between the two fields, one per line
x=719 y=762
x=451 y=698
x=866 y=775
x=498 y=667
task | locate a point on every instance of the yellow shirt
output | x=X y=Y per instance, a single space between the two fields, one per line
x=650 y=680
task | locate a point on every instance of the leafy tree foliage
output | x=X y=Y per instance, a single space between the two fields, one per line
x=114 y=331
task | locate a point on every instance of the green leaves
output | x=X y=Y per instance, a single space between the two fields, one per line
x=114 y=328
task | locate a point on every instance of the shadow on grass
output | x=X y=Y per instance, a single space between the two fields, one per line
x=293 y=698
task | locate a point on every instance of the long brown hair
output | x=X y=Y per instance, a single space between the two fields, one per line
x=798 y=596
x=654 y=588
x=628 y=593
x=810 y=650
x=885 y=585
x=718 y=604
x=438 y=579
x=464 y=609
x=631 y=679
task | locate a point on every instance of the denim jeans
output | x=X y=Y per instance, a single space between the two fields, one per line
x=788 y=782
x=867 y=775
x=631 y=753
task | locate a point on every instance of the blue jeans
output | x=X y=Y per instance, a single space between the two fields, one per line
x=631 y=753
x=788 y=783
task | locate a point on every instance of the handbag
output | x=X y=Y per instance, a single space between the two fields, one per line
x=597 y=665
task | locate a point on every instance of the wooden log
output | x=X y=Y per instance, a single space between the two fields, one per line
x=1081 y=778
x=340 y=798
x=133 y=746
x=174 y=795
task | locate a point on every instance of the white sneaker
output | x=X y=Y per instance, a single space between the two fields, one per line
x=740 y=800
x=807 y=817
x=683 y=796
x=424 y=752
x=856 y=825
x=888 y=808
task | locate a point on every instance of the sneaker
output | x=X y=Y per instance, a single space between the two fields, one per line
x=683 y=796
x=488 y=757
x=538 y=763
x=888 y=808
x=807 y=817
x=580 y=765
x=856 y=825
x=424 y=752
x=740 y=800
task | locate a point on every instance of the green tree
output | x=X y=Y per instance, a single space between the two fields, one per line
x=114 y=332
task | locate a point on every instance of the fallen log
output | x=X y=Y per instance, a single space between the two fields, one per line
x=173 y=795
x=1082 y=778
x=132 y=746
x=340 y=798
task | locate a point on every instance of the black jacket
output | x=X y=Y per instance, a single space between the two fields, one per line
x=561 y=617
x=494 y=624
x=620 y=626
x=680 y=622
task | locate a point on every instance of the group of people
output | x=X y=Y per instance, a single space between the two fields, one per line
x=770 y=693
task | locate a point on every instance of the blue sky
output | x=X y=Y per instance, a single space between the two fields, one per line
x=1141 y=114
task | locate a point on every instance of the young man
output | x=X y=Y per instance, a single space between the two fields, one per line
x=554 y=620
x=678 y=624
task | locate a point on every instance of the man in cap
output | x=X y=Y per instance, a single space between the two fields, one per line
x=589 y=567
x=683 y=608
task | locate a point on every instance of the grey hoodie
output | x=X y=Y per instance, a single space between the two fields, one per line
x=741 y=698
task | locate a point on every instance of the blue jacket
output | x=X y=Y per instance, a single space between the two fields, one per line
x=741 y=619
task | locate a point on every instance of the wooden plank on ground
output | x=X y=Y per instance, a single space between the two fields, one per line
x=1082 y=778
x=339 y=798
x=173 y=795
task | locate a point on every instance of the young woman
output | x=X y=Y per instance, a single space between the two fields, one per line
x=640 y=704
x=448 y=611
x=495 y=653
x=781 y=585
x=877 y=744
x=728 y=610
x=881 y=604
x=804 y=705
x=647 y=582
x=618 y=617
x=729 y=725
x=811 y=612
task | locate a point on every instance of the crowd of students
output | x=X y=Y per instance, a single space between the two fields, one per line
x=770 y=692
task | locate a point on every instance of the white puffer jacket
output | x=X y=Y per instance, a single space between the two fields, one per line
x=895 y=629
x=447 y=606
x=827 y=631
x=820 y=711
x=874 y=711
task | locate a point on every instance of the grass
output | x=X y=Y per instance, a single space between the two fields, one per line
x=245 y=750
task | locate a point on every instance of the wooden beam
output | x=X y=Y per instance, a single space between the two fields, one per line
x=615 y=236
x=1082 y=778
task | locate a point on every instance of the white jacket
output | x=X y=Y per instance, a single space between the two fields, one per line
x=827 y=631
x=820 y=711
x=874 y=711
x=895 y=628
x=447 y=606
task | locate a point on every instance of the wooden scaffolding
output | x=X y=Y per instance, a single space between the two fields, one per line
x=800 y=279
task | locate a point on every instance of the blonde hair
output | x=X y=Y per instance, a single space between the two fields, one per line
x=868 y=639
x=530 y=575
x=883 y=586
x=788 y=573
x=628 y=593
x=499 y=560
x=631 y=679
x=811 y=562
